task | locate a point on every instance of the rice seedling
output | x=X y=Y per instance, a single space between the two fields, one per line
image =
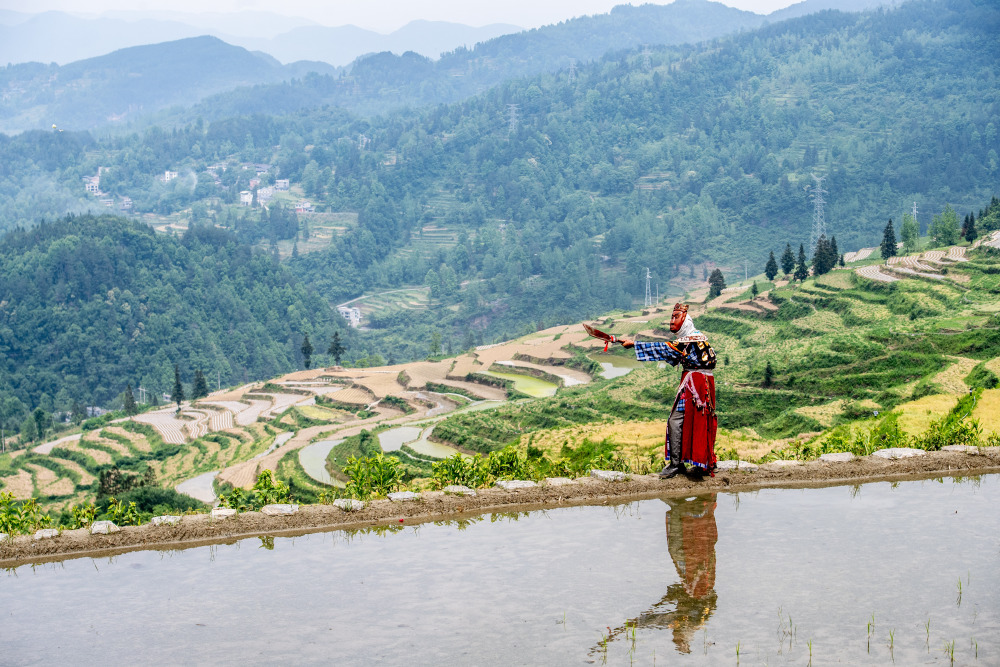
x=892 y=644
x=958 y=602
x=949 y=650
x=737 y=653
x=810 y=645
x=927 y=627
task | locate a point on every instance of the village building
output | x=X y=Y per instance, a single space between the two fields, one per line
x=246 y=198
x=281 y=184
x=351 y=314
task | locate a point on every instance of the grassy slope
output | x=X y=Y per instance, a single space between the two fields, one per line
x=841 y=348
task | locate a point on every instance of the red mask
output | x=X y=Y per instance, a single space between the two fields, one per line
x=677 y=319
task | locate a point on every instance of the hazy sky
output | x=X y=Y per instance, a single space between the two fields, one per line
x=380 y=15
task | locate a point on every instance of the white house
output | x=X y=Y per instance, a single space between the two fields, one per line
x=246 y=198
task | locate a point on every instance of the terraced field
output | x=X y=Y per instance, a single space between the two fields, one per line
x=841 y=349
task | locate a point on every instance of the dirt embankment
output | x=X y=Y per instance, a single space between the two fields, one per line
x=197 y=530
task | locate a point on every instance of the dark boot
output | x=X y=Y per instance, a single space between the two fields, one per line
x=671 y=470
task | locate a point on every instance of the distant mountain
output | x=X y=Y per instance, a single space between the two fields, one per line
x=142 y=79
x=58 y=37
x=341 y=45
x=384 y=81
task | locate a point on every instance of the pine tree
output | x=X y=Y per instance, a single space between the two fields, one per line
x=788 y=260
x=177 y=395
x=834 y=253
x=128 y=398
x=823 y=260
x=199 y=388
x=753 y=290
x=336 y=347
x=716 y=283
x=888 y=245
x=307 y=351
x=801 y=272
x=771 y=269
x=970 y=232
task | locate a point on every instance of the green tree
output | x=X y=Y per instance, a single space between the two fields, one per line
x=716 y=283
x=337 y=348
x=970 y=229
x=42 y=422
x=909 y=233
x=825 y=257
x=177 y=395
x=753 y=290
x=944 y=228
x=128 y=399
x=771 y=269
x=888 y=245
x=768 y=374
x=199 y=388
x=307 y=350
x=801 y=270
x=787 y=260
x=435 y=346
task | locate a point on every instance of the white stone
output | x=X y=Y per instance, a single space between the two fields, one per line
x=104 y=528
x=837 y=457
x=165 y=520
x=222 y=512
x=960 y=448
x=46 y=533
x=558 y=481
x=608 y=475
x=279 y=509
x=742 y=466
x=784 y=463
x=348 y=504
x=514 y=484
x=459 y=490
x=401 y=496
x=3 y=536
x=898 y=453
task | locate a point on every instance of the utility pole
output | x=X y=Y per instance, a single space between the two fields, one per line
x=218 y=380
x=745 y=276
x=512 y=119
x=649 y=294
x=819 y=221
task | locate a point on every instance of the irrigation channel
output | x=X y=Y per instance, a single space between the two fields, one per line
x=879 y=573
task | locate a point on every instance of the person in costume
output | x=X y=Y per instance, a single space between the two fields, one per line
x=692 y=424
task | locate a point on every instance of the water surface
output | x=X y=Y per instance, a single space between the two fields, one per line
x=780 y=573
x=526 y=384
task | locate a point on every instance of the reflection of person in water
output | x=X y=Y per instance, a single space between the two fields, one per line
x=688 y=604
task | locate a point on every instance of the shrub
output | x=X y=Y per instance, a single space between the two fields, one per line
x=19 y=517
x=265 y=491
x=378 y=475
x=122 y=514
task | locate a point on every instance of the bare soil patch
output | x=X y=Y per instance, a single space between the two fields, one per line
x=197 y=530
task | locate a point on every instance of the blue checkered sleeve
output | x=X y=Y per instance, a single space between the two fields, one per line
x=656 y=351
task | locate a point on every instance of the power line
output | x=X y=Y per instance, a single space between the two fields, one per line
x=649 y=293
x=512 y=118
x=819 y=221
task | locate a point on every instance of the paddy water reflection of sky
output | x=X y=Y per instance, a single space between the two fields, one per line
x=857 y=573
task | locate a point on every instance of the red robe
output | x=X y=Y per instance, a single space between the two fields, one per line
x=700 y=423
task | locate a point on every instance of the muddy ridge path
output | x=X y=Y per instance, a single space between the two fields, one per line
x=201 y=529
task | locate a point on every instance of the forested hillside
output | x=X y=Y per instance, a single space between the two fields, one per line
x=543 y=200
x=89 y=304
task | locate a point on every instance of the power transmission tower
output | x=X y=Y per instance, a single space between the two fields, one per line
x=914 y=211
x=819 y=222
x=647 y=62
x=649 y=293
x=572 y=70
x=512 y=118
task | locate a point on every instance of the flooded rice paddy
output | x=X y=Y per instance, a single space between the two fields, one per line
x=613 y=365
x=881 y=573
x=312 y=457
x=526 y=384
